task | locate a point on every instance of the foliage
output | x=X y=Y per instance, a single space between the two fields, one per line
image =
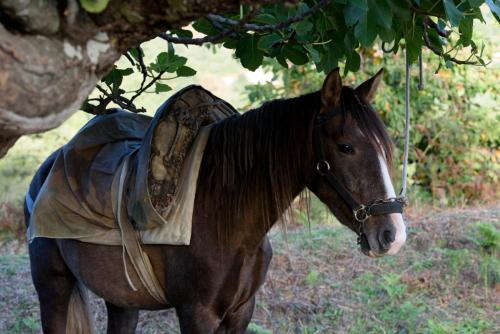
x=11 y=222
x=166 y=62
x=455 y=133
x=488 y=237
x=325 y=33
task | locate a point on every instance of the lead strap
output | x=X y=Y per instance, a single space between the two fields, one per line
x=402 y=193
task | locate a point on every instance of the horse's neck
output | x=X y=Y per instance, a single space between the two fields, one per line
x=271 y=157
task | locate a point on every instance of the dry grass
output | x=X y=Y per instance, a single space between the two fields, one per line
x=445 y=280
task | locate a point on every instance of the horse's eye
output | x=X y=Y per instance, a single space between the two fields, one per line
x=346 y=148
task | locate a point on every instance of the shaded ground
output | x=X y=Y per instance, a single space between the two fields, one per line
x=445 y=280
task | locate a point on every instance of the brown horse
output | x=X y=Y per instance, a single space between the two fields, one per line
x=254 y=165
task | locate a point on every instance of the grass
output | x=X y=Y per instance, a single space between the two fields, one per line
x=445 y=280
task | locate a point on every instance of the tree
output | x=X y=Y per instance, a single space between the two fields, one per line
x=52 y=53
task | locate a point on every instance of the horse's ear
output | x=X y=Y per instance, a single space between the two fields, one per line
x=368 y=88
x=332 y=88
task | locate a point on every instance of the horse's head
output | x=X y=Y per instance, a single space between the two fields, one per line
x=353 y=156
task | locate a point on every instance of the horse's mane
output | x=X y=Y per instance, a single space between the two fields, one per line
x=263 y=150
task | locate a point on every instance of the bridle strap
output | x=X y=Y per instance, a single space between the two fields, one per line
x=322 y=166
x=341 y=190
x=392 y=206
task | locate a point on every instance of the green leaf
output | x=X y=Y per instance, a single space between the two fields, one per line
x=303 y=27
x=135 y=53
x=113 y=79
x=160 y=87
x=315 y=56
x=475 y=3
x=414 y=41
x=353 y=62
x=230 y=43
x=382 y=13
x=366 y=31
x=185 y=71
x=295 y=54
x=250 y=57
x=353 y=13
x=302 y=7
x=323 y=24
x=265 y=19
x=168 y=61
x=182 y=33
x=170 y=49
x=452 y=12
x=360 y=3
x=204 y=26
x=466 y=26
x=436 y=40
x=386 y=35
x=94 y=6
x=268 y=41
x=126 y=71
x=329 y=59
x=281 y=59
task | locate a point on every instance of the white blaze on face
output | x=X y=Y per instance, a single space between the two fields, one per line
x=397 y=218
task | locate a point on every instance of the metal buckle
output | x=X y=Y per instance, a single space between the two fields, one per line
x=360 y=213
x=403 y=200
x=320 y=164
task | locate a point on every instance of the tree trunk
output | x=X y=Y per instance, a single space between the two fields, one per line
x=52 y=53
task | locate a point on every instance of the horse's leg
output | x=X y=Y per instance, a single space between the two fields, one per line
x=53 y=282
x=121 y=320
x=197 y=320
x=237 y=322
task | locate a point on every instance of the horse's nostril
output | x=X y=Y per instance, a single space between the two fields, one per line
x=388 y=237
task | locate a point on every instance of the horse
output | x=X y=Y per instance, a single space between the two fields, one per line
x=330 y=141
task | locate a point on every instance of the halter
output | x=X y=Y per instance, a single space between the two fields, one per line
x=360 y=211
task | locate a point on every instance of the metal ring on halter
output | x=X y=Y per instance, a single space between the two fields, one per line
x=403 y=200
x=360 y=213
x=322 y=163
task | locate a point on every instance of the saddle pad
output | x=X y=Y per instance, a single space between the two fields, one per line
x=75 y=198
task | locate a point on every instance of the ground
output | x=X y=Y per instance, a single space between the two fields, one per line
x=445 y=280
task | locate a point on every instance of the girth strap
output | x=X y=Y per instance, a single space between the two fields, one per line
x=131 y=244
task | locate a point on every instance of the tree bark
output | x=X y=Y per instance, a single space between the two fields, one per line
x=52 y=53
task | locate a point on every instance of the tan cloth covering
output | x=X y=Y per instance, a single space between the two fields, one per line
x=59 y=214
x=76 y=198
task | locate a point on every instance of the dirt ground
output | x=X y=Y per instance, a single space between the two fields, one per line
x=445 y=280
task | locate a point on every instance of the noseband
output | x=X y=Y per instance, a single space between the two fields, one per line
x=360 y=211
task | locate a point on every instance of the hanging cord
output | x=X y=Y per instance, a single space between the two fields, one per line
x=420 y=72
x=407 y=126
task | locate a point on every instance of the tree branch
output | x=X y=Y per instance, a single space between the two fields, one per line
x=424 y=12
x=427 y=24
x=242 y=25
x=435 y=26
x=52 y=53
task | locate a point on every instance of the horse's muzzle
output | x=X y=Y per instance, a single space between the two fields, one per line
x=386 y=239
